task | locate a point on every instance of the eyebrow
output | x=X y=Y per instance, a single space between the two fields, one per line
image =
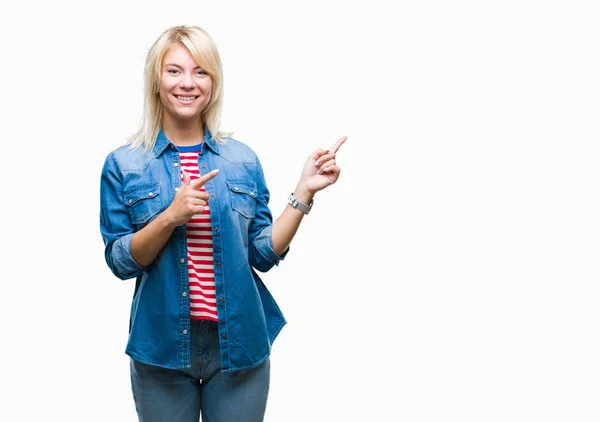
x=176 y=65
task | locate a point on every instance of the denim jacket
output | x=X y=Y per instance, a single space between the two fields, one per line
x=136 y=187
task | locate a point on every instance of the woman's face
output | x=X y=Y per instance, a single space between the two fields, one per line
x=184 y=86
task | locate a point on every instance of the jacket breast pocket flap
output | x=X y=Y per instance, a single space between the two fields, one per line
x=243 y=197
x=143 y=202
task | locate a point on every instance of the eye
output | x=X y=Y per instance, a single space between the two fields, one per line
x=172 y=71
x=201 y=73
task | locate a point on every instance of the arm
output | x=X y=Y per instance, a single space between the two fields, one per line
x=148 y=242
x=115 y=223
x=320 y=171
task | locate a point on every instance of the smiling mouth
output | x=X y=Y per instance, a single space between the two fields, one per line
x=186 y=98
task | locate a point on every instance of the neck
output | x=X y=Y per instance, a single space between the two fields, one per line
x=184 y=133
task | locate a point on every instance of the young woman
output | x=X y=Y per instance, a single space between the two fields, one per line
x=184 y=210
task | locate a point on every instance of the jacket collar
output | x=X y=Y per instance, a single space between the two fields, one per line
x=162 y=142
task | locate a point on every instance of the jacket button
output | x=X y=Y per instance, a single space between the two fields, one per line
x=176 y=164
x=203 y=166
x=182 y=260
x=221 y=299
x=184 y=331
x=212 y=194
x=217 y=229
x=184 y=294
x=225 y=336
x=219 y=264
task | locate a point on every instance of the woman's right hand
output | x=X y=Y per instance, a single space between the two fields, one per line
x=189 y=200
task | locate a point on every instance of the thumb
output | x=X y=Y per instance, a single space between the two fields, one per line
x=201 y=181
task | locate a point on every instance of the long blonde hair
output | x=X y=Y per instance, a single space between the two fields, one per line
x=205 y=53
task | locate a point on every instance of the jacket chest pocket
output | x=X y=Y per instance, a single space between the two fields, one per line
x=243 y=197
x=143 y=202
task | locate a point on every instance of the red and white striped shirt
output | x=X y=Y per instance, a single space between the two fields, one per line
x=201 y=270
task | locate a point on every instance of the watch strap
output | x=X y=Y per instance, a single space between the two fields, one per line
x=299 y=205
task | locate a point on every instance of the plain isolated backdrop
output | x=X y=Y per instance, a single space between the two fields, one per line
x=450 y=275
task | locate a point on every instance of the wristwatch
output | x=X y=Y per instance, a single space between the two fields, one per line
x=299 y=205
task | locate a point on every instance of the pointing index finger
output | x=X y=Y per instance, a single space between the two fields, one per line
x=201 y=181
x=338 y=144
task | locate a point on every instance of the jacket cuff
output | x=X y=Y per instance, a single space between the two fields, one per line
x=123 y=262
x=264 y=245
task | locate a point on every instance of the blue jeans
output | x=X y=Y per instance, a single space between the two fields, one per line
x=170 y=395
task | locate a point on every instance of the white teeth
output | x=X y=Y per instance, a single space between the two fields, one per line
x=186 y=98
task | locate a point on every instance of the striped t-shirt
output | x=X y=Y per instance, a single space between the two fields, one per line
x=201 y=271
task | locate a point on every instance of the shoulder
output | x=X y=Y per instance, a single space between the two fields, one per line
x=124 y=158
x=236 y=151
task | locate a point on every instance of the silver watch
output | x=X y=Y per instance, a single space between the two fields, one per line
x=299 y=205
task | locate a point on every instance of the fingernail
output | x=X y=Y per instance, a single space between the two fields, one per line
x=317 y=163
x=319 y=172
x=325 y=169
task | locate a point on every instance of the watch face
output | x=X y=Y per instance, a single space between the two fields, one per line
x=300 y=206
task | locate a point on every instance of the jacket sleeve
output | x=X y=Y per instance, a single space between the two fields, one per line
x=115 y=224
x=260 y=249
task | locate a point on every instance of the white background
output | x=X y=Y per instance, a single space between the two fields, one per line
x=450 y=275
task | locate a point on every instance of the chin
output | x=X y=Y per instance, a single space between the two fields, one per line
x=187 y=115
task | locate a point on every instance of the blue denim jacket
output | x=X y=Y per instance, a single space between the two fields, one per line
x=135 y=188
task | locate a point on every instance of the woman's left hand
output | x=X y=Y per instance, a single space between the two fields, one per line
x=320 y=169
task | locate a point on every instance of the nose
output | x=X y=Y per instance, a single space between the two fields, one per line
x=187 y=81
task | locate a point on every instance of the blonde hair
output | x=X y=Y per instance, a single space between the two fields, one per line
x=205 y=53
